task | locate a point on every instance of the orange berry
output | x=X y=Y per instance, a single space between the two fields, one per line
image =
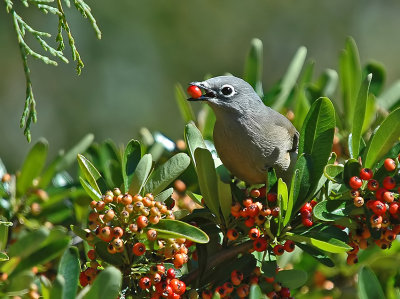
x=352 y=259
x=151 y=235
x=254 y=233
x=389 y=164
x=139 y=249
x=236 y=277
x=142 y=221
x=232 y=234
x=126 y=199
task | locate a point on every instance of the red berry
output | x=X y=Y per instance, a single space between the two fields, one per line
x=206 y=294
x=254 y=233
x=91 y=254
x=243 y=291
x=83 y=279
x=253 y=210
x=142 y=221
x=275 y=211
x=285 y=292
x=144 y=283
x=171 y=273
x=289 y=245
x=250 y=222
x=194 y=91
x=232 y=234
x=236 y=277
x=355 y=182
x=393 y=208
x=388 y=196
x=221 y=291
x=389 y=164
x=307 y=222
x=313 y=203
x=228 y=286
x=378 y=207
x=306 y=208
x=271 y=197
x=389 y=183
x=379 y=193
x=260 y=244
x=373 y=185
x=139 y=249
x=177 y=286
x=366 y=174
x=279 y=249
x=352 y=259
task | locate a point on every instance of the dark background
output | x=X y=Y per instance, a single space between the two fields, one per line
x=129 y=75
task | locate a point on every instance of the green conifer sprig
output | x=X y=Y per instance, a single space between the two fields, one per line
x=21 y=28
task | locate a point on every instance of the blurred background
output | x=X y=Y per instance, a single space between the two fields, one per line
x=129 y=75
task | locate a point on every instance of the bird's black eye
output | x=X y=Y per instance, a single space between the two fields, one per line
x=227 y=90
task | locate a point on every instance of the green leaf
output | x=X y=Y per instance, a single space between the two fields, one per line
x=326 y=237
x=194 y=140
x=368 y=285
x=89 y=190
x=167 y=173
x=116 y=259
x=351 y=168
x=331 y=210
x=90 y=172
x=317 y=254
x=269 y=267
x=141 y=174
x=383 y=139
x=359 y=116
x=302 y=104
x=29 y=243
x=69 y=269
x=283 y=199
x=42 y=255
x=378 y=76
x=350 y=78
x=106 y=285
x=58 y=287
x=316 y=139
x=292 y=279
x=181 y=230
x=63 y=161
x=294 y=191
x=207 y=179
x=390 y=97
x=254 y=66
x=130 y=161
x=290 y=78
x=333 y=172
x=163 y=196
x=33 y=165
x=183 y=105
x=255 y=292
x=225 y=199
x=4 y=225
x=4 y=257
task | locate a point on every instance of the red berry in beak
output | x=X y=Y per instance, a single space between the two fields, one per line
x=194 y=91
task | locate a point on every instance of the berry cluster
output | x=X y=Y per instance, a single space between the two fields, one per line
x=126 y=224
x=256 y=215
x=240 y=286
x=381 y=223
x=306 y=213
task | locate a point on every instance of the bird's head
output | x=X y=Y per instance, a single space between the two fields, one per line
x=227 y=92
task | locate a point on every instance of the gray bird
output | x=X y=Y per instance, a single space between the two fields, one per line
x=249 y=137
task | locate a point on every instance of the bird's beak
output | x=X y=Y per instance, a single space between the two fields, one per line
x=208 y=92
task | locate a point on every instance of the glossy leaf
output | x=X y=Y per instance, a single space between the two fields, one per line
x=207 y=177
x=351 y=168
x=294 y=189
x=333 y=172
x=378 y=76
x=254 y=66
x=331 y=210
x=283 y=199
x=90 y=172
x=42 y=255
x=69 y=269
x=184 y=106
x=106 y=285
x=206 y=121
x=225 y=199
x=167 y=173
x=29 y=243
x=255 y=292
x=4 y=257
x=4 y=226
x=368 y=285
x=141 y=174
x=383 y=139
x=269 y=267
x=89 y=190
x=359 y=116
x=390 y=97
x=326 y=237
x=33 y=165
x=350 y=78
x=58 y=286
x=164 y=195
x=130 y=161
x=193 y=139
x=181 y=229
x=290 y=78
x=292 y=279
x=64 y=160
x=317 y=254
x=316 y=139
